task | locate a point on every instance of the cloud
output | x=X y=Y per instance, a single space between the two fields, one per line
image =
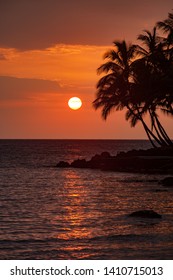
x=12 y=88
x=39 y=24
x=2 y=56
x=67 y=64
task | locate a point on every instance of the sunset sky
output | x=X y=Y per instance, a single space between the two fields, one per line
x=49 y=52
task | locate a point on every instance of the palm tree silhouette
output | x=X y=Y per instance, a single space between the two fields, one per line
x=167 y=27
x=139 y=80
x=156 y=79
x=115 y=88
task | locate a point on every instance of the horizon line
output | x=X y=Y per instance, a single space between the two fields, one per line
x=140 y=139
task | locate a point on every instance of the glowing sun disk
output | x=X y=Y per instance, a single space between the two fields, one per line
x=75 y=103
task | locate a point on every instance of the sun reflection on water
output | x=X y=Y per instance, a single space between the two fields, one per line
x=74 y=213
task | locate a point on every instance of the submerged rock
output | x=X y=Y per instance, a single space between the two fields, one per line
x=146 y=214
x=167 y=182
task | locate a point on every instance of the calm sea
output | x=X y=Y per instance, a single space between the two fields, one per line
x=51 y=213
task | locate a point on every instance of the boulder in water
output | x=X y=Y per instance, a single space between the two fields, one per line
x=146 y=214
x=167 y=182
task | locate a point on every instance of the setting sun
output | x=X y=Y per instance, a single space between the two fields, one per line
x=74 y=103
x=86 y=138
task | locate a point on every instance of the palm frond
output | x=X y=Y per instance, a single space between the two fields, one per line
x=164 y=26
x=133 y=118
x=141 y=51
x=108 y=66
x=106 y=80
x=143 y=38
x=168 y=112
x=113 y=56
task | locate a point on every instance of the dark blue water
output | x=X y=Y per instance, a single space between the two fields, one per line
x=50 y=213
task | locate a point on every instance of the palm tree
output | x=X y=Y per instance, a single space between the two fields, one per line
x=115 y=89
x=158 y=82
x=167 y=27
x=139 y=80
x=112 y=89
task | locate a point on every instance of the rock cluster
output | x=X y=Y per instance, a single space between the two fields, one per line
x=96 y=162
x=158 y=160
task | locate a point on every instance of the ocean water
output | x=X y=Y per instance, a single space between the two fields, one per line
x=51 y=213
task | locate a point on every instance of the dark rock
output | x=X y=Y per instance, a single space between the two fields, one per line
x=95 y=162
x=105 y=155
x=121 y=154
x=79 y=163
x=99 y=161
x=167 y=182
x=96 y=158
x=146 y=214
x=63 y=164
x=158 y=160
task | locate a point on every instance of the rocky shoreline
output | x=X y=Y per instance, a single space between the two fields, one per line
x=159 y=160
x=151 y=161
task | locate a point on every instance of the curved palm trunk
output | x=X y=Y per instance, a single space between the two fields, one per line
x=149 y=133
x=163 y=132
x=160 y=137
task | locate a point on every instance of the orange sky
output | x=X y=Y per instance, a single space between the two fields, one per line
x=53 y=55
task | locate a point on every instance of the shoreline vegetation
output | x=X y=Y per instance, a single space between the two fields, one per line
x=151 y=161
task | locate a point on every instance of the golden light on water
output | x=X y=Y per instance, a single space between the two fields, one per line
x=73 y=211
